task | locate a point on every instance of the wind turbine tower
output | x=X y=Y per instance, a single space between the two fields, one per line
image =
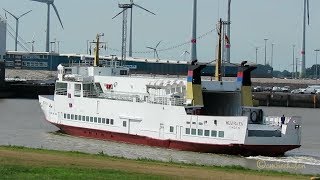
x=124 y=12
x=131 y=24
x=303 y=52
x=17 y=26
x=49 y=2
x=194 y=33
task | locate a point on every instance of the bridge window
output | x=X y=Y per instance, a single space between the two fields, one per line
x=187 y=130
x=103 y=120
x=200 y=132
x=99 y=120
x=206 y=133
x=193 y=131
x=221 y=133
x=95 y=119
x=91 y=119
x=68 y=116
x=61 y=88
x=107 y=121
x=171 y=128
x=111 y=121
x=124 y=123
x=77 y=90
x=213 y=133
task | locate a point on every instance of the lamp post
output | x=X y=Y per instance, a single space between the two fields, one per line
x=265 y=51
x=272 y=54
x=257 y=55
x=297 y=59
x=316 y=71
x=293 y=74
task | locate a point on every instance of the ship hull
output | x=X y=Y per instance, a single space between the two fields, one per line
x=232 y=149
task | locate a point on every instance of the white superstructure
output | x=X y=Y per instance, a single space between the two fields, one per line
x=107 y=103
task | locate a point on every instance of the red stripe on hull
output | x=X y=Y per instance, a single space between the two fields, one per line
x=233 y=149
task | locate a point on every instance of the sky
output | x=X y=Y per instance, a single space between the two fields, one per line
x=251 y=22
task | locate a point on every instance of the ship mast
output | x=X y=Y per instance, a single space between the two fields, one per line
x=96 y=50
x=218 y=62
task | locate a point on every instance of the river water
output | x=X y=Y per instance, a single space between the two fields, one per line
x=23 y=124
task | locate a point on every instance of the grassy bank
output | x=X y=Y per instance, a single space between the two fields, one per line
x=27 y=163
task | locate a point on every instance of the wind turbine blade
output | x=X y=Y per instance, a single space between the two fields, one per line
x=157 y=54
x=119 y=13
x=33 y=36
x=57 y=13
x=131 y=1
x=143 y=8
x=24 y=14
x=43 y=1
x=158 y=44
x=10 y=13
x=151 y=48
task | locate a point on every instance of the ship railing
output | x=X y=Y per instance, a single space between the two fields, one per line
x=61 y=91
x=275 y=120
x=163 y=100
x=123 y=96
x=88 y=93
x=140 y=97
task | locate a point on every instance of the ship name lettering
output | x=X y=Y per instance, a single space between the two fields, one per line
x=234 y=123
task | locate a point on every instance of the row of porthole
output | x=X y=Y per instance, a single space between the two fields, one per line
x=201 y=132
x=88 y=119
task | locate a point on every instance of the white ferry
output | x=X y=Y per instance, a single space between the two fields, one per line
x=186 y=114
x=191 y=114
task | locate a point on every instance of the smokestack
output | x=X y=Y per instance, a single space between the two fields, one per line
x=194 y=33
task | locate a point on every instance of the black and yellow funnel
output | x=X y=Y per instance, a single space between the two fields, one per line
x=244 y=77
x=194 y=88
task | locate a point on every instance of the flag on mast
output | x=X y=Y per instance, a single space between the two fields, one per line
x=227 y=41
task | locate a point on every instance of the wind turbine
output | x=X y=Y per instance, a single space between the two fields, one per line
x=49 y=2
x=131 y=17
x=124 y=12
x=184 y=54
x=17 y=25
x=155 y=51
x=32 y=43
